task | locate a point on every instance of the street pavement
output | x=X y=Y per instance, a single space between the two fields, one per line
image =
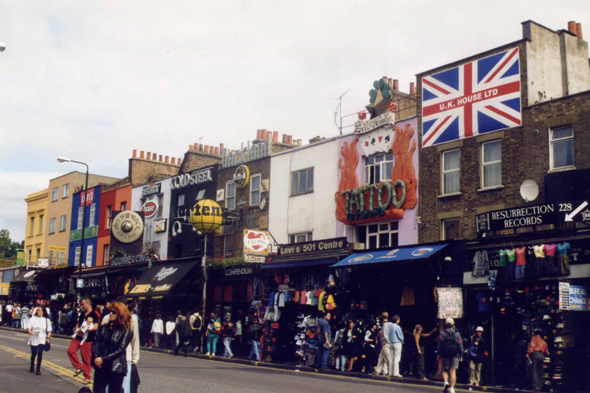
x=162 y=373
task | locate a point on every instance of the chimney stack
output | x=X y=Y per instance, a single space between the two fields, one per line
x=290 y=139
x=579 y=29
x=179 y=161
x=160 y=158
x=154 y=157
x=395 y=85
x=571 y=26
x=412 y=89
x=285 y=138
x=173 y=161
x=258 y=134
x=221 y=147
x=149 y=156
x=196 y=147
x=141 y=154
x=166 y=158
x=275 y=136
x=201 y=148
x=206 y=149
x=216 y=150
x=390 y=81
x=134 y=153
x=264 y=134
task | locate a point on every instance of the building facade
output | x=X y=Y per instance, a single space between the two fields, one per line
x=35 y=232
x=115 y=197
x=90 y=201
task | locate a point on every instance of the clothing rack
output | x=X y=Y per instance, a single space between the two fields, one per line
x=524 y=243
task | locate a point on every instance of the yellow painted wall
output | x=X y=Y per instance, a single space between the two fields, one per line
x=35 y=236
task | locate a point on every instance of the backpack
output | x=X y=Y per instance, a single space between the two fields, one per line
x=197 y=323
x=217 y=326
x=449 y=347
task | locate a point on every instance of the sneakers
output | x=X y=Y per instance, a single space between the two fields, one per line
x=446 y=387
x=208 y=354
x=452 y=390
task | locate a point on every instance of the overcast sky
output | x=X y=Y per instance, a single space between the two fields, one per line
x=93 y=80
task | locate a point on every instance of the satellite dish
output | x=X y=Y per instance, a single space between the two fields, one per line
x=529 y=190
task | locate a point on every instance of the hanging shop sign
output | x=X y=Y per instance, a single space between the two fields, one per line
x=160 y=225
x=151 y=190
x=256 y=242
x=247 y=153
x=220 y=195
x=386 y=120
x=518 y=217
x=206 y=216
x=43 y=263
x=373 y=200
x=242 y=176
x=150 y=208
x=88 y=233
x=337 y=244
x=250 y=258
x=127 y=227
x=573 y=297
x=239 y=271
x=20 y=258
x=191 y=179
x=88 y=197
x=450 y=302
x=130 y=260
x=58 y=249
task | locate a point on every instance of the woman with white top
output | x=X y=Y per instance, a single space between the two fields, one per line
x=157 y=330
x=170 y=326
x=40 y=330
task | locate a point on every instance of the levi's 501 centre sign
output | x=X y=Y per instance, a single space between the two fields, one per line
x=471 y=99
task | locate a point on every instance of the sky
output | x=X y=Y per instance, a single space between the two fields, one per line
x=94 y=80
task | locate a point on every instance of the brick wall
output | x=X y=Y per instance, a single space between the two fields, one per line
x=143 y=171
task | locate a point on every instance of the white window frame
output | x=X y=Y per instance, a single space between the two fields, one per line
x=160 y=210
x=551 y=148
x=54 y=194
x=63 y=223
x=485 y=164
x=77 y=256
x=91 y=220
x=307 y=189
x=109 y=216
x=443 y=232
x=296 y=237
x=124 y=206
x=89 y=250
x=60 y=257
x=381 y=231
x=443 y=172
x=253 y=191
x=228 y=197
x=52 y=225
x=80 y=217
x=382 y=165
x=50 y=257
x=65 y=191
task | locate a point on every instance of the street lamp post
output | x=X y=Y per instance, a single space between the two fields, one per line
x=63 y=159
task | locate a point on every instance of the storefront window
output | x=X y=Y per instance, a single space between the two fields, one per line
x=77 y=257
x=181 y=200
x=302 y=182
x=52 y=225
x=80 y=212
x=450 y=229
x=228 y=245
x=109 y=216
x=92 y=215
x=62 y=223
x=8 y=276
x=378 y=168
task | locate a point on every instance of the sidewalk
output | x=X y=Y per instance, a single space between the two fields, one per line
x=294 y=367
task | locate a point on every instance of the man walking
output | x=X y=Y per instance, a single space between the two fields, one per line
x=324 y=340
x=450 y=351
x=384 y=355
x=196 y=327
x=86 y=348
x=183 y=329
x=396 y=338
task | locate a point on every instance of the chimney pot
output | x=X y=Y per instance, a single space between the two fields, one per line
x=149 y=156
x=173 y=161
x=196 y=146
x=285 y=138
x=390 y=81
x=264 y=134
x=216 y=151
x=385 y=78
x=141 y=154
x=160 y=158
x=221 y=147
x=259 y=134
x=206 y=149
x=290 y=139
x=154 y=157
x=395 y=84
x=275 y=136
x=412 y=89
x=179 y=161
x=166 y=159
x=571 y=26
x=579 y=29
x=134 y=153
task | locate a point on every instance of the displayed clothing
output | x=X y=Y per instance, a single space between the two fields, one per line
x=482 y=302
x=563 y=261
x=407 y=296
x=520 y=263
x=541 y=263
x=550 y=259
x=510 y=265
x=532 y=267
x=481 y=264
x=502 y=258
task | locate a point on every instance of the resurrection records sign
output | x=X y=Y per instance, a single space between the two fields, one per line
x=450 y=302
x=518 y=217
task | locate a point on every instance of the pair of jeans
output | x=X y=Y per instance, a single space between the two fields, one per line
x=520 y=272
x=227 y=347
x=255 y=350
x=104 y=379
x=212 y=343
x=16 y=323
x=157 y=339
x=36 y=352
x=25 y=322
x=396 y=356
x=321 y=360
x=341 y=362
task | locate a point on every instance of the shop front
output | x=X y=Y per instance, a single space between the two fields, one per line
x=93 y=283
x=23 y=287
x=125 y=271
x=55 y=285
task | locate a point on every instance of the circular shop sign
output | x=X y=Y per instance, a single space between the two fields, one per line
x=149 y=209
x=127 y=227
x=242 y=176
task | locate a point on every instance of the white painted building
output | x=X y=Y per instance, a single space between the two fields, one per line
x=306 y=210
x=155 y=226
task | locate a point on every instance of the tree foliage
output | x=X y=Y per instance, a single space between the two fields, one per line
x=8 y=247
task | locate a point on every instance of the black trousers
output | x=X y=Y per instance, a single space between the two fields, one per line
x=196 y=339
x=36 y=352
x=419 y=364
x=171 y=343
x=183 y=343
x=103 y=378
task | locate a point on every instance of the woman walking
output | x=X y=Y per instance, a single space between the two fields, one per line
x=228 y=333
x=536 y=354
x=212 y=334
x=419 y=357
x=40 y=331
x=109 y=350
x=254 y=334
x=157 y=330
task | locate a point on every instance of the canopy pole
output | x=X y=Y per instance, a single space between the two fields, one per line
x=204 y=267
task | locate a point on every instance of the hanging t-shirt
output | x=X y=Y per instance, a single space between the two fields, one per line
x=321 y=301
x=482 y=302
x=502 y=258
x=281 y=302
x=550 y=250
x=520 y=256
x=511 y=254
x=540 y=251
x=303 y=297
x=563 y=248
x=310 y=296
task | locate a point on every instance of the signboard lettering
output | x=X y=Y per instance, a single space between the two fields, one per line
x=254 y=259
x=518 y=217
x=191 y=179
x=256 y=242
x=129 y=260
x=337 y=244
x=246 y=153
x=88 y=196
x=386 y=120
x=150 y=209
x=151 y=190
x=450 y=302
x=238 y=271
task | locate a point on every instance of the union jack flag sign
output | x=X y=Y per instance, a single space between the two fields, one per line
x=472 y=99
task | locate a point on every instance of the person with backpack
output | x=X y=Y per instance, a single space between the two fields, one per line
x=212 y=334
x=450 y=352
x=477 y=355
x=228 y=333
x=196 y=327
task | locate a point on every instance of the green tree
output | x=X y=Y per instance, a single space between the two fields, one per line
x=8 y=247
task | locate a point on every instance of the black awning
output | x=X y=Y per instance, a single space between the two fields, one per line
x=25 y=276
x=161 y=278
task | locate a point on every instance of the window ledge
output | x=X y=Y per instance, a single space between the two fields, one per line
x=563 y=169
x=490 y=188
x=450 y=195
x=303 y=193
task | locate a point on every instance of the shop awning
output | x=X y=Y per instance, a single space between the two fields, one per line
x=313 y=262
x=25 y=276
x=395 y=255
x=161 y=278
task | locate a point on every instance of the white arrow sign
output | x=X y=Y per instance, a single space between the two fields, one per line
x=570 y=217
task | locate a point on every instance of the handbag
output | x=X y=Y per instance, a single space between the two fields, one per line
x=47 y=342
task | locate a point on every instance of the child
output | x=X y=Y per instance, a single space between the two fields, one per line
x=84 y=329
